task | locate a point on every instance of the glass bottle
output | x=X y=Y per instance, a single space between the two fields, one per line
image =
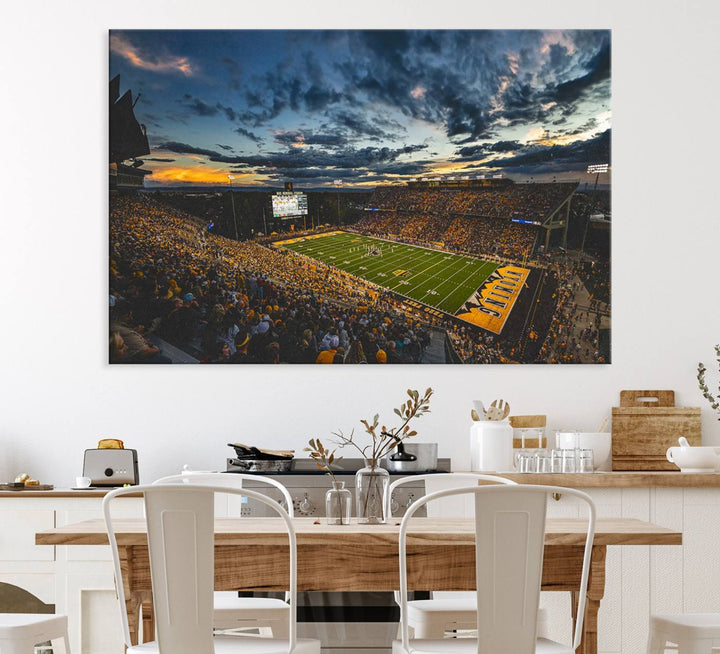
x=371 y=487
x=338 y=502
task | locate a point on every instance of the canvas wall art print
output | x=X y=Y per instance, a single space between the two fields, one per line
x=359 y=196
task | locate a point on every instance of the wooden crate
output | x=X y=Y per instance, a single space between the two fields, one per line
x=642 y=431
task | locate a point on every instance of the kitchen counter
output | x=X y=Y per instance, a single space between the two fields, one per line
x=644 y=479
x=57 y=493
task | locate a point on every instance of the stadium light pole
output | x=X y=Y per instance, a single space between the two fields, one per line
x=232 y=199
x=596 y=169
x=338 y=184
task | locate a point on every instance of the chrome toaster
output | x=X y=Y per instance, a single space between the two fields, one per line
x=111 y=467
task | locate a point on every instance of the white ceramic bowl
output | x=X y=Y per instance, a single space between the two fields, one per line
x=599 y=442
x=695 y=459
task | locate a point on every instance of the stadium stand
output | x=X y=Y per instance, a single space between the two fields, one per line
x=180 y=293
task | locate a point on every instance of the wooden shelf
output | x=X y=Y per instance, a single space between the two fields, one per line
x=619 y=479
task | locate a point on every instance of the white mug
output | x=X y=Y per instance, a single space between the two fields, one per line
x=82 y=482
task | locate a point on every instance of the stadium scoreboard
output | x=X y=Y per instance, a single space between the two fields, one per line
x=288 y=204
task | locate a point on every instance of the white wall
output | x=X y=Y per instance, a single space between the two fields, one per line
x=58 y=395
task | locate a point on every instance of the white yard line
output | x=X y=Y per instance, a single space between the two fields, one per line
x=478 y=272
x=397 y=262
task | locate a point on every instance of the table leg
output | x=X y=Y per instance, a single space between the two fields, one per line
x=138 y=594
x=148 y=617
x=133 y=606
x=596 y=591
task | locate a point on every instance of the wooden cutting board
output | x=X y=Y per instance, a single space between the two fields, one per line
x=645 y=425
x=45 y=487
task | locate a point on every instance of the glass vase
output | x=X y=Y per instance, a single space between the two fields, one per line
x=371 y=486
x=338 y=501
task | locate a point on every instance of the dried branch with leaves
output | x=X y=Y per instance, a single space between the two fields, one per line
x=712 y=399
x=385 y=440
x=323 y=457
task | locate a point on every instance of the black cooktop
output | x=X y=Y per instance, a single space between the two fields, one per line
x=349 y=467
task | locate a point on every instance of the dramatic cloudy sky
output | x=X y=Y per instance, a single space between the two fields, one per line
x=367 y=107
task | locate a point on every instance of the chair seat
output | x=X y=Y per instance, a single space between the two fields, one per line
x=244 y=644
x=469 y=646
x=27 y=626
x=699 y=625
x=459 y=606
x=251 y=606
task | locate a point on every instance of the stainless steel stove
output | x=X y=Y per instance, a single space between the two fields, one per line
x=345 y=622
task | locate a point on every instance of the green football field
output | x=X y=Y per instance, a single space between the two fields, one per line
x=437 y=279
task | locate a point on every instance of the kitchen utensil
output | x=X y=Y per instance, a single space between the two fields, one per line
x=261 y=465
x=245 y=451
x=111 y=467
x=401 y=455
x=694 y=459
x=498 y=411
x=424 y=458
x=645 y=425
x=474 y=415
x=480 y=408
x=603 y=426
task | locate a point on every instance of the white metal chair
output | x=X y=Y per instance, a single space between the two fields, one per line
x=445 y=611
x=231 y=611
x=509 y=545
x=20 y=632
x=693 y=633
x=180 y=529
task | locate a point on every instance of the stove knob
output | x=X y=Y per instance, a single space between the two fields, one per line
x=394 y=505
x=306 y=506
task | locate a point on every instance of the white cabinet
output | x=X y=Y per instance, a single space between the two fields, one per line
x=17 y=537
x=78 y=580
x=644 y=579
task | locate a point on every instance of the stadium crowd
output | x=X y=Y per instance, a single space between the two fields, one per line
x=239 y=302
x=532 y=202
x=226 y=301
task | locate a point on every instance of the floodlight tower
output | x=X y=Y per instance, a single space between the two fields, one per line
x=338 y=185
x=597 y=169
x=232 y=199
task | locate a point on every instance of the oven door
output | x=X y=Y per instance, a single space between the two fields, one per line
x=351 y=622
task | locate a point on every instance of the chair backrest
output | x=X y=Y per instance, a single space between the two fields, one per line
x=181 y=544
x=229 y=479
x=444 y=480
x=509 y=545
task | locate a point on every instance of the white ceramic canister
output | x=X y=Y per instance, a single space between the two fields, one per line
x=491 y=446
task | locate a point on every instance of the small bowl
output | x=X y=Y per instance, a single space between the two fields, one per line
x=694 y=459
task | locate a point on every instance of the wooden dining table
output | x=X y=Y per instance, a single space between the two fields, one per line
x=251 y=554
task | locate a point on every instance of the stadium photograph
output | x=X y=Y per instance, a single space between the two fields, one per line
x=359 y=196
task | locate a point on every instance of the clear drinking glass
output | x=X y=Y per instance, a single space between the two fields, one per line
x=517 y=455
x=338 y=503
x=585 y=461
x=543 y=461
x=526 y=461
x=568 y=461
x=556 y=456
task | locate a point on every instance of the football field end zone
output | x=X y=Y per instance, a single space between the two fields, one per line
x=489 y=307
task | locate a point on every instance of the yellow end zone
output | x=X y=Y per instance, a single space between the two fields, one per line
x=490 y=306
